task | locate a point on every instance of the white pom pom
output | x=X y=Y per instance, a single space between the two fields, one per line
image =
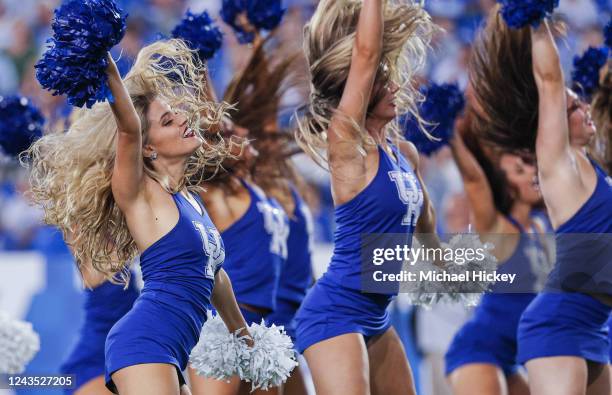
x=19 y=343
x=219 y=354
x=466 y=292
x=272 y=356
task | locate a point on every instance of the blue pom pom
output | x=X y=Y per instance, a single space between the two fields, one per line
x=265 y=14
x=521 y=13
x=261 y=14
x=441 y=106
x=200 y=33
x=20 y=124
x=608 y=34
x=75 y=62
x=585 y=75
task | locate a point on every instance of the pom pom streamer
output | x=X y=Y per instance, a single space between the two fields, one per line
x=585 y=75
x=468 y=293
x=20 y=124
x=521 y=13
x=221 y=355
x=75 y=62
x=272 y=356
x=18 y=345
x=200 y=33
x=608 y=34
x=441 y=106
x=261 y=14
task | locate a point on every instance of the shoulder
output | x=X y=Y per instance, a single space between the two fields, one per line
x=410 y=153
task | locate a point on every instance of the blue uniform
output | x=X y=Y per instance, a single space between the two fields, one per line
x=561 y=321
x=390 y=204
x=256 y=248
x=179 y=273
x=104 y=306
x=490 y=336
x=296 y=275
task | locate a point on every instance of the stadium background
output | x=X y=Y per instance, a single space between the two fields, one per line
x=38 y=281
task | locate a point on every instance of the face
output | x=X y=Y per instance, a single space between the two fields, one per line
x=581 y=126
x=169 y=135
x=385 y=107
x=522 y=177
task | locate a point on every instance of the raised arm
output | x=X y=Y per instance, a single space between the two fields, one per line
x=365 y=60
x=552 y=142
x=475 y=183
x=128 y=170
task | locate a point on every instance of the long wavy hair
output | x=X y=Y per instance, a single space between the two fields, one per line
x=257 y=92
x=601 y=109
x=328 y=45
x=71 y=171
x=501 y=73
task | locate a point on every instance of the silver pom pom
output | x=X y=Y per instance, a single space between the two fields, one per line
x=219 y=354
x=19 y=343
x=272 y=356
x=467 y=292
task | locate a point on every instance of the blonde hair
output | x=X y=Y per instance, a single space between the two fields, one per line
x=328 y=46
x=71 y=172
x=601 y=108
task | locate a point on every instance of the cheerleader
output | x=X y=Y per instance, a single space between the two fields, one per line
x=254 y=229
x=105 y=303
x=355 y=53
x=503 y=194
x=266 y=78
x=525 y=105
x=120 y=174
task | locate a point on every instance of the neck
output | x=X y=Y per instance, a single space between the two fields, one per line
x=174 y=170
x=521 y=213
x=376 y=129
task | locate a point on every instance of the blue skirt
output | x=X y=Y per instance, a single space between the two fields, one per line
x=490 y=336
x=284 y=315
x=331 y=310
x=564 y=324
x=152 y=332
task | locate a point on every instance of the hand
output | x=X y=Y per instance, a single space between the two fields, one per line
x=244 y=333
x=111 y=69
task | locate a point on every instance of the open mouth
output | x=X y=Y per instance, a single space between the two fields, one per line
x=535 y=184
x=188 y=133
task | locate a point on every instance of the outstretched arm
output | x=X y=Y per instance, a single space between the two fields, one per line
x=552 y=142
x=128 y=169
x=475 y=183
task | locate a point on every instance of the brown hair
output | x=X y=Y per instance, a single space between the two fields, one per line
x=257 y=92
x=500 y=72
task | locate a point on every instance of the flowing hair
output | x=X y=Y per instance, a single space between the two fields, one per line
x=501 y=74
x=328 y=46
x=601 y=109
x=257 y=92
x=71 y=171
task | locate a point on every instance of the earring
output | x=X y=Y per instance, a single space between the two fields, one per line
x=153 y=155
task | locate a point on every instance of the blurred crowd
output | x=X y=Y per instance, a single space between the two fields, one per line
x=25 y=27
